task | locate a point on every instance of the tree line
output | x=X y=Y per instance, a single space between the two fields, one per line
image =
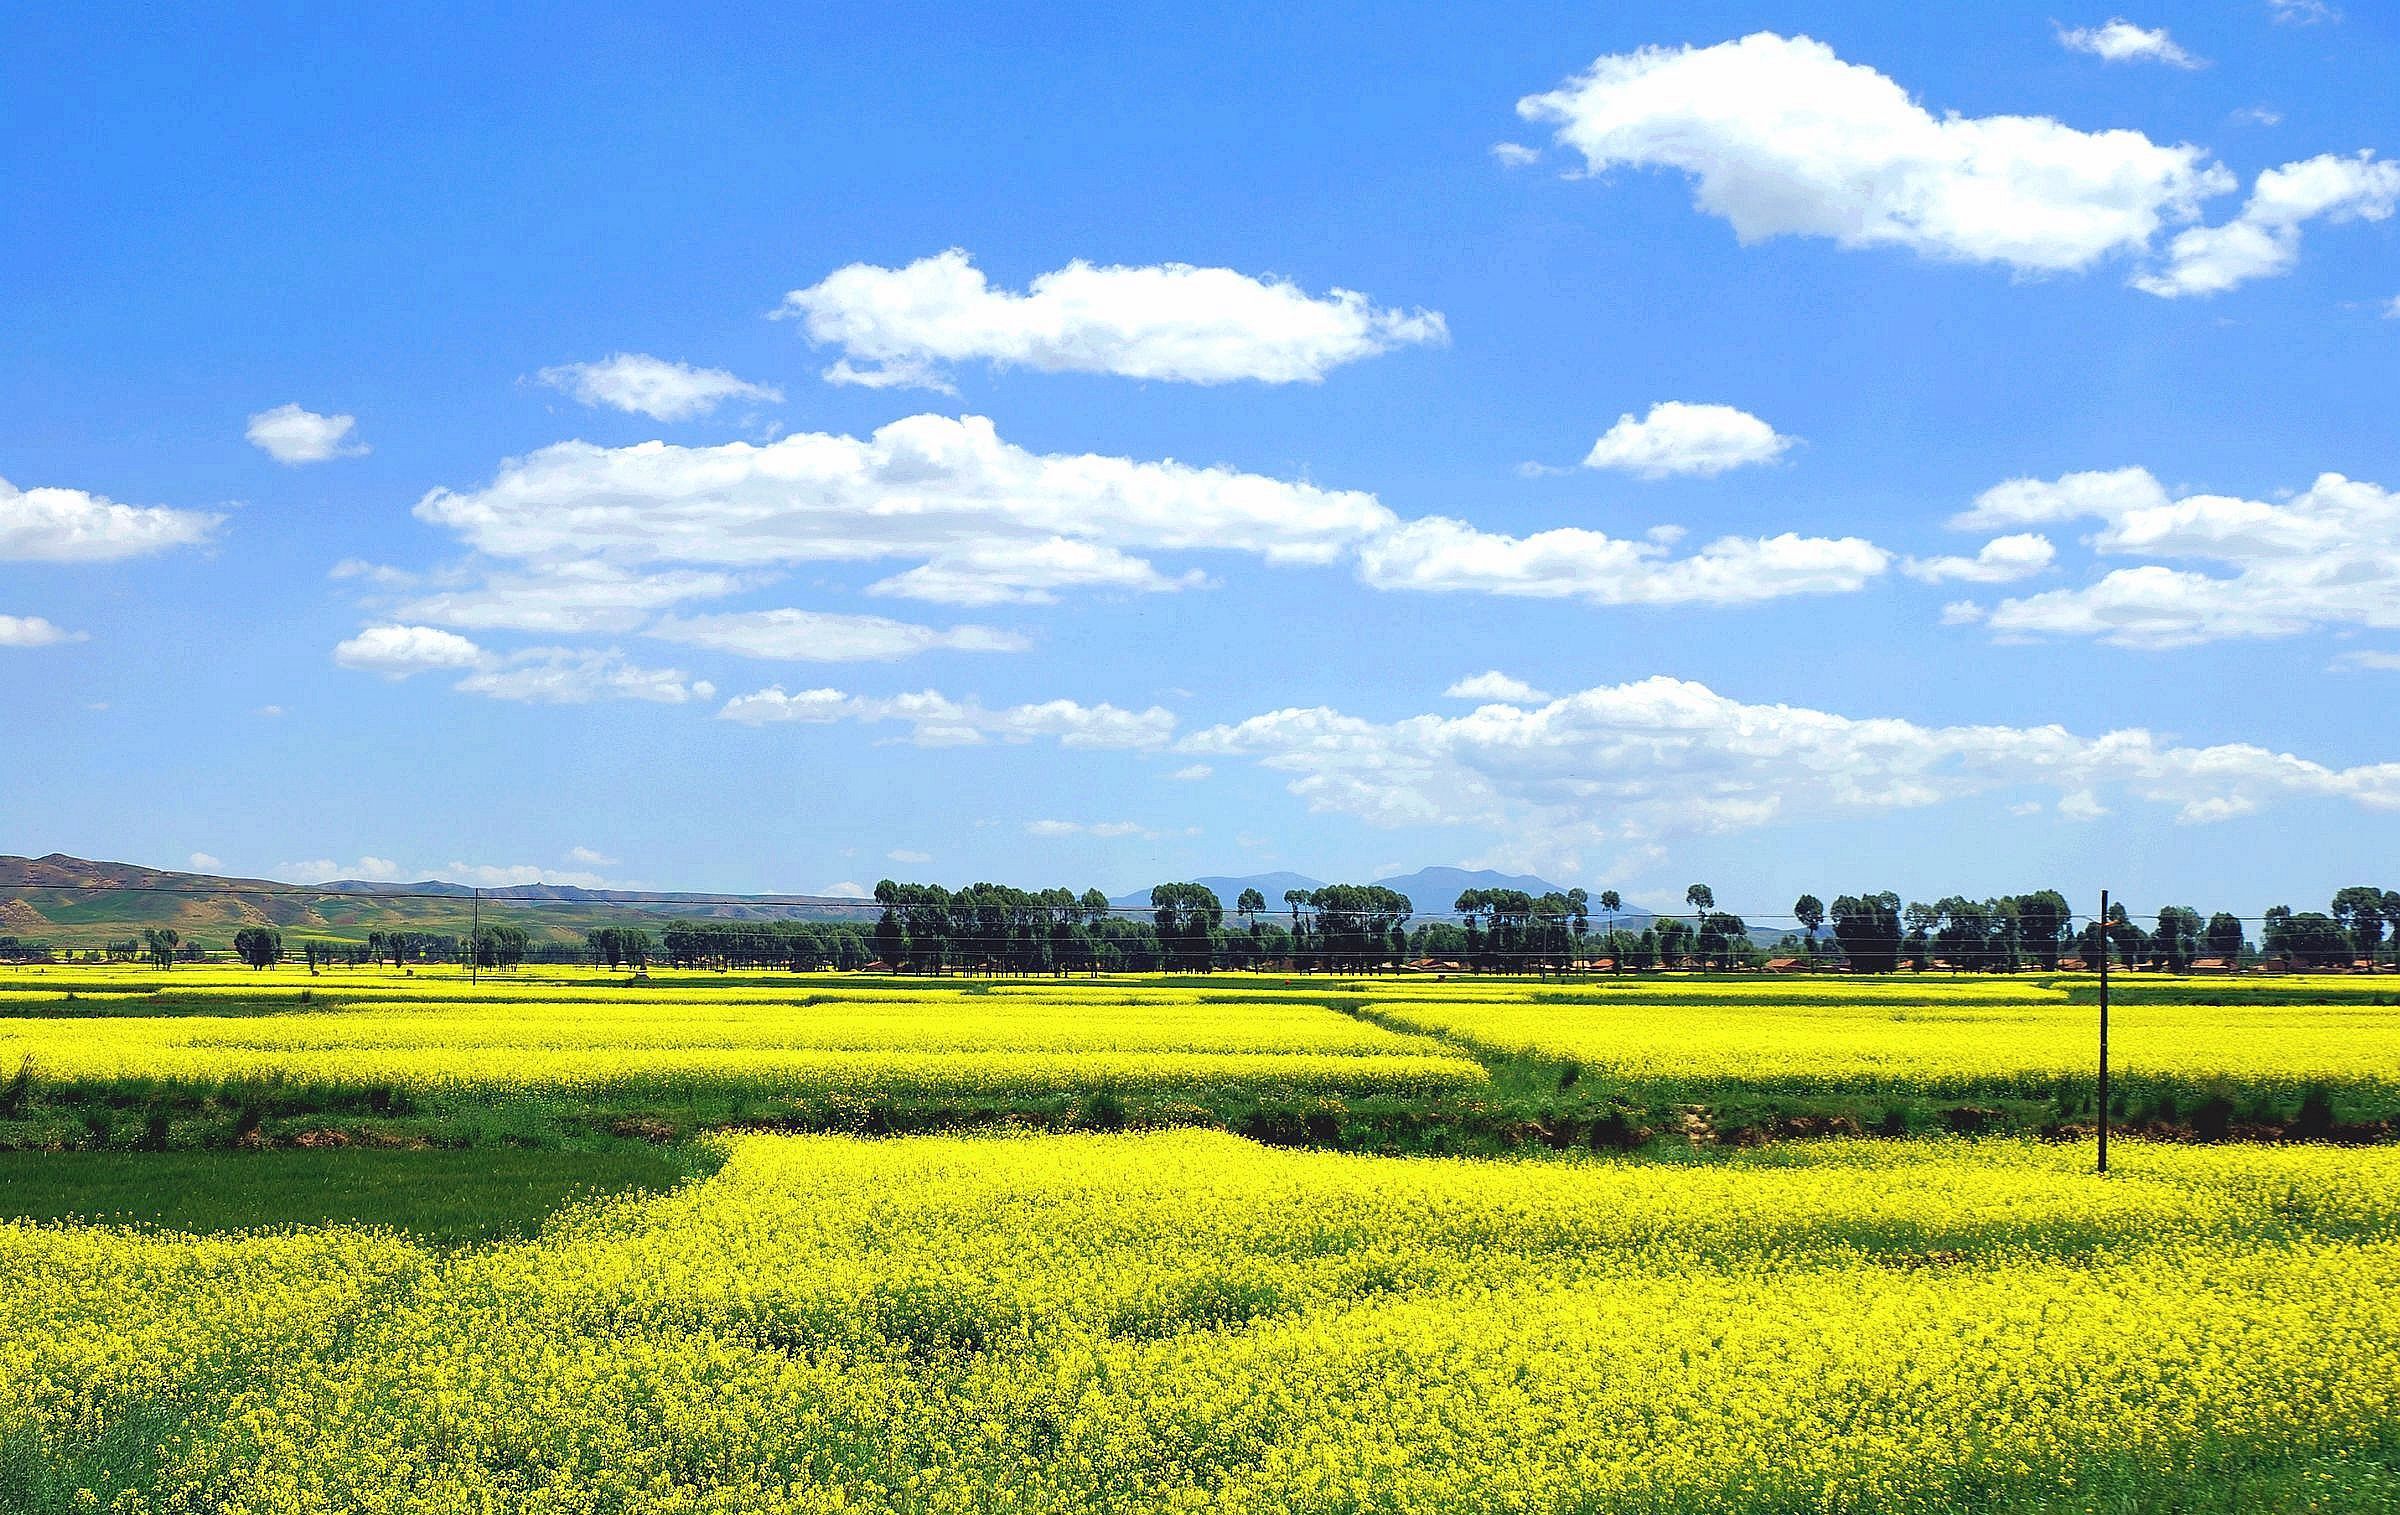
x=1365 y=928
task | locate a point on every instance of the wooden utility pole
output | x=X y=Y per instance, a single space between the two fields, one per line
x=2104 y=951
x=475 y=976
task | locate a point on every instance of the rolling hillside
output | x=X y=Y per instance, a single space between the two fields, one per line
x=72 y=902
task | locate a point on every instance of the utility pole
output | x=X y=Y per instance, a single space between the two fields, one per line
x=2104 y=946
x=475 y=976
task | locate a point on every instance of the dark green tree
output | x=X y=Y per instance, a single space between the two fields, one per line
x=258 y=946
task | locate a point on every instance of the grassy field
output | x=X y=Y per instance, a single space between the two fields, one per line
x=567 y=1242
x=439 y=1197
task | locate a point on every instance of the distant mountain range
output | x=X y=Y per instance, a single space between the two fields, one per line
x=74 y=902
x=1430 y=891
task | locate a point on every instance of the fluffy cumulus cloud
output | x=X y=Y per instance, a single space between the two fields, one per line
x=34 y=631
x=2120 y=41
x=324 y=870
x=1031 y=573
x=382 y=870
x=1106 y=830
x=292 y=434
x=202 y=862
x=902 y=326
x=643 y=385
x=49 y=525
x=399 y=651
x=535 y=675
x=811 y=636
x=936 y=720
x=948 y=492
x=1495 y=685
x=579 y=676
x=582 y=538
x=565 y=597
x=1620 y=766
x=2264 y=240
x=2002 y=560
x=1783 y=138
x=516 y=875
x=1678 y=438
x=2328 y=556
x=1443 y=555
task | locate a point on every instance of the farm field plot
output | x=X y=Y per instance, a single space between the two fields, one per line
x=1939 y=1043
x=1190 y=1321
x=811 y=1040
x=198 y=1057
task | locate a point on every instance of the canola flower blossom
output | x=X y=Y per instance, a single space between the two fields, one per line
x=1188 y=1322
x=898 y=1044
x=1935 y=1045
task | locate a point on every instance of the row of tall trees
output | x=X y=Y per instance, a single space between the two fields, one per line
x=927 y=928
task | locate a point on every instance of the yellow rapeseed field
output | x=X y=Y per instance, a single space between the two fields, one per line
x=1938 y=1043
x=905 y=1042
x=1191 y=1322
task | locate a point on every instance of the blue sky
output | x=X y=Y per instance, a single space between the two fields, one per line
x=1169 y=563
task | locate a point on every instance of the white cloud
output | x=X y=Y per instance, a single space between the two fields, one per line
x=2033 y=502
x=516 y=875
x=271 y=712
x=34 y=631
x=566 y=597
x=2120 y=41
x=578 y=676
x=292 y=435
x=1623 y=765
x=1439 y=554
x=2326 y=557
x=908 y=855
x=986 y=522
x=382 y=575
x=1029 y=573
x=2362 y=660
x=644 y=385
x=201 y=862
x=538 y=675
x=590 y=858
x=324 y=870
x=1107 y=830
x=1783 y=138
x=2391 y=312
x=2259 y=115
x=2302 y=12
x=2083 y=805
x=946 y=492
x=398 y=651
x=1678 y=438
x=819 y=637
x=1515 y=154
x=2002 y=560
x=47 y=525
x=1495 y=685
x=846 y=890
x=2264 y=240
x=935 y=720
x=1170 y=321
x=1191 y=773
